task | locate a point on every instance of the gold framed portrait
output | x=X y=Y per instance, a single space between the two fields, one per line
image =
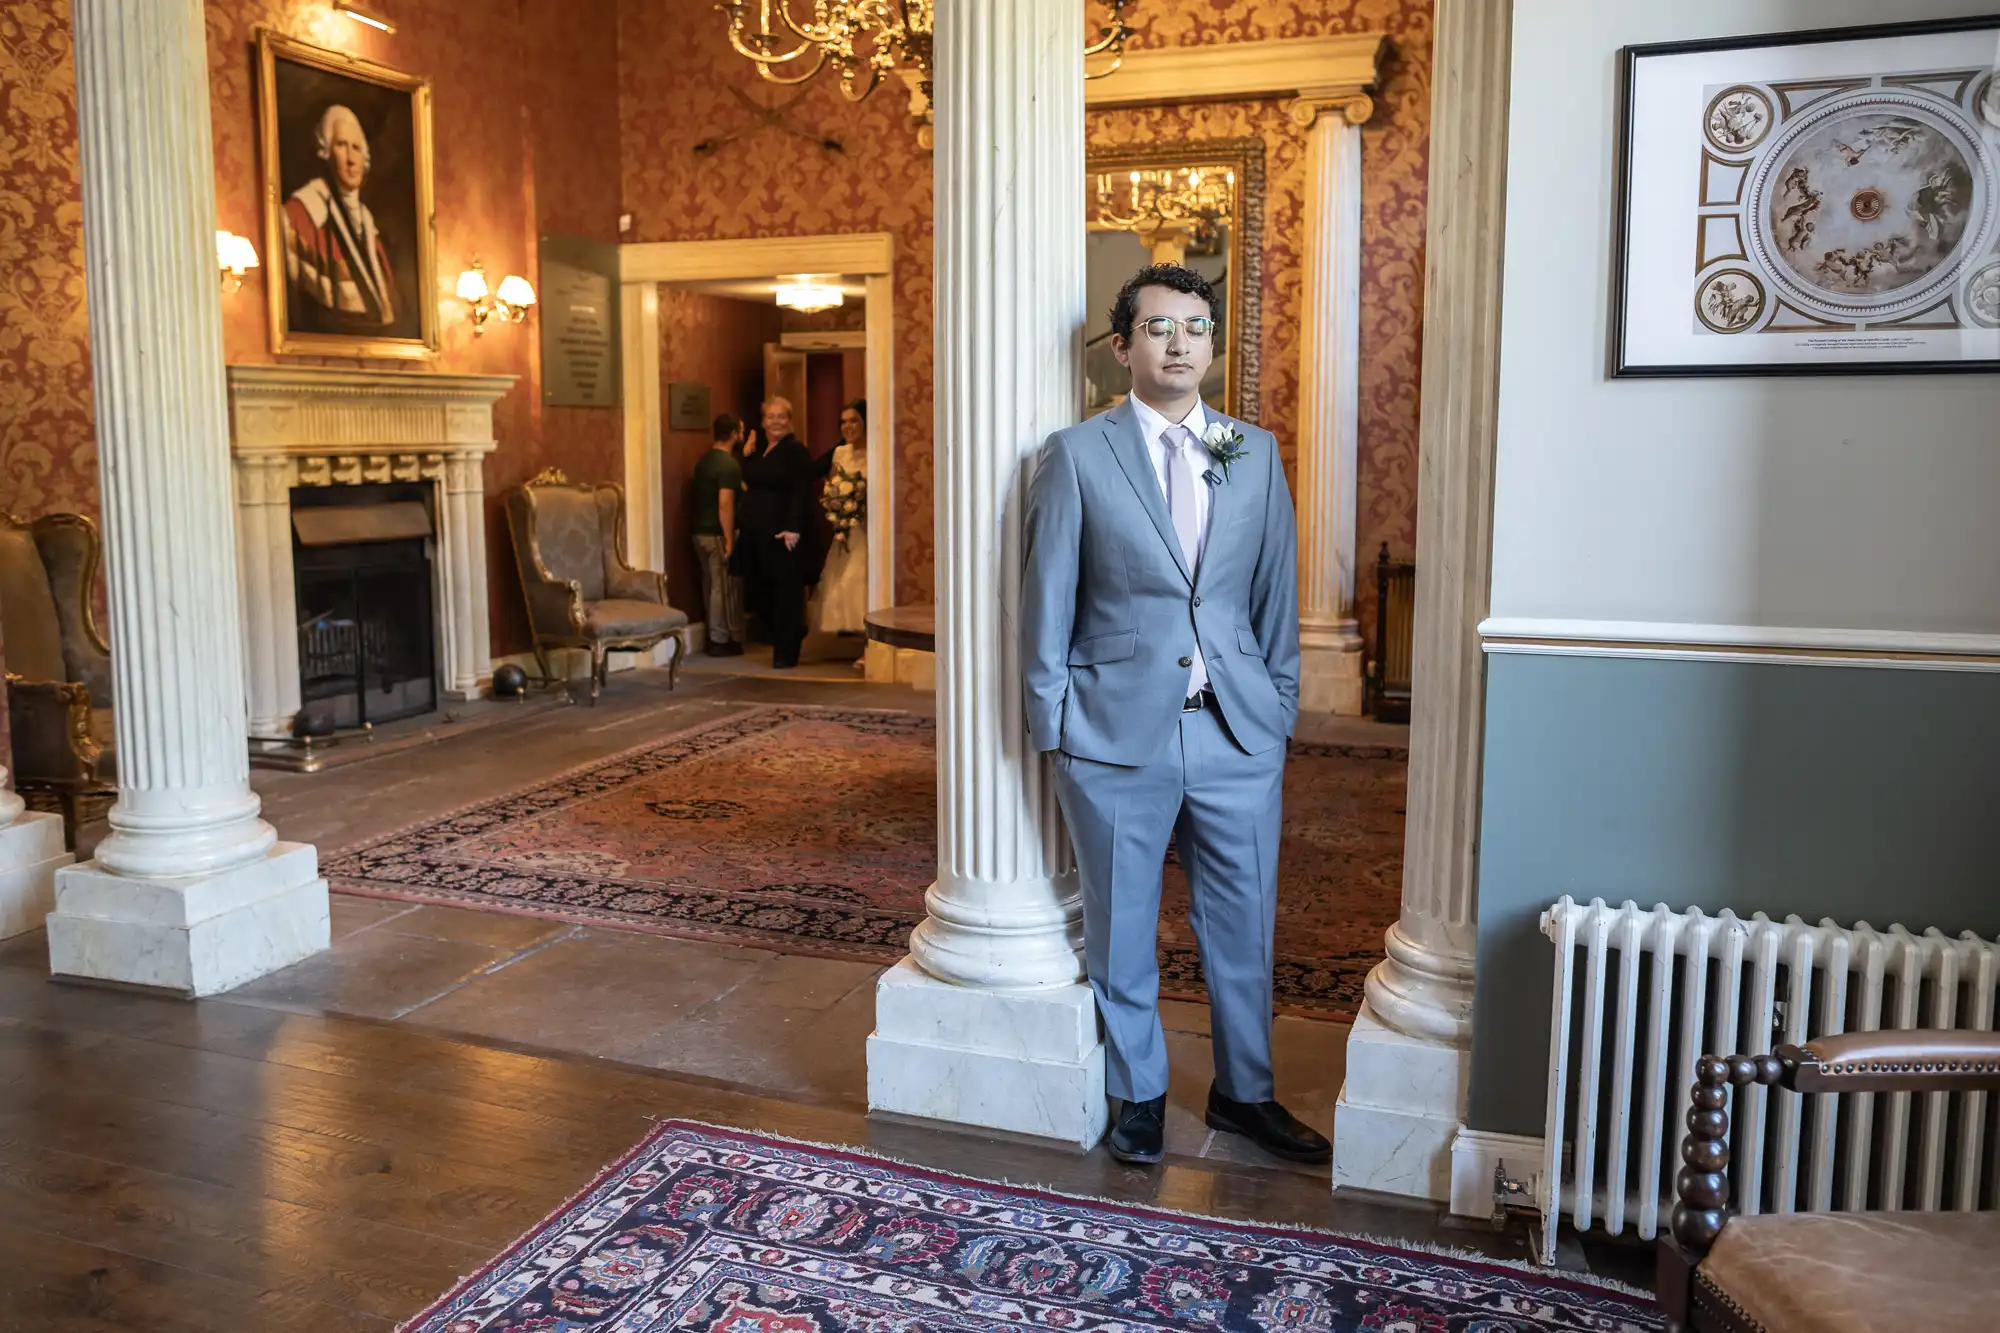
x=350 y=222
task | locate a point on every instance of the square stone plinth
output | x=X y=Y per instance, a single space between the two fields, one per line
x=191 y=936
x=1397 y=1113
x=31 y=851
x=1024 y=1061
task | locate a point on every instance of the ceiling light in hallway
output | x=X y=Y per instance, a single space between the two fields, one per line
x=808 y=297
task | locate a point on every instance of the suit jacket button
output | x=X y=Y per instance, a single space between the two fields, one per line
x=1187 y=661
x=1197 y=601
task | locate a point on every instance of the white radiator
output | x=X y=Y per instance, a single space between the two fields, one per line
x=1684 y=984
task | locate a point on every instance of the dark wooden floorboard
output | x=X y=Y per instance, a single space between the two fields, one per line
x=166 y=1165
x=250 y=1239
x=66 y=1286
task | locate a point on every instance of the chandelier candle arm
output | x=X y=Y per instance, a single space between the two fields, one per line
x=867 y=40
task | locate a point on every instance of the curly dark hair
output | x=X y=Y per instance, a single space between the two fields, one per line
x=1125 y=310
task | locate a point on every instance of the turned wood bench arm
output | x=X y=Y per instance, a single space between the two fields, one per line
x=1917 y=1060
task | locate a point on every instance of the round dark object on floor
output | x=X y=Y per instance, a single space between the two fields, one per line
x=509 y=681
x=313 y=720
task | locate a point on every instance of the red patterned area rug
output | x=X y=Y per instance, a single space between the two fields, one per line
x=814 y=830
x=705 y=1230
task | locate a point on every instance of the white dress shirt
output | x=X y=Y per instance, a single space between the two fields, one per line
x=1194 y=462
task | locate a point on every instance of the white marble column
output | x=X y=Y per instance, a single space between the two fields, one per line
x=190 y=891
x=1407 y=1059
x=270 y=599
x=1330 y=650
x=988 y=1022
x=467 y=668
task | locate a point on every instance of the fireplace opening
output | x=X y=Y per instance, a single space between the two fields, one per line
x=361 y=561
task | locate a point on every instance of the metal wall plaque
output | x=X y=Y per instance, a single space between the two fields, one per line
x=578 y=312
x=687 y=406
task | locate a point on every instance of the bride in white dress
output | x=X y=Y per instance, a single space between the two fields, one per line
x=842 y=599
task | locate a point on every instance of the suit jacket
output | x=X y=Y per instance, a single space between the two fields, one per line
x=1110 y=613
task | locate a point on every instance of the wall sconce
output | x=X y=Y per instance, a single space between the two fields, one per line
x=510 y=304
x=359 y=15
x=234 y=254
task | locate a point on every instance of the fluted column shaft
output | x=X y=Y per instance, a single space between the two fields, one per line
x=1424 y=987
x=184 y=803
x=1329 y=394
x=1009 y=253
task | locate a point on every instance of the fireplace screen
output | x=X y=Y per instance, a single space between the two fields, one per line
x=367 y=638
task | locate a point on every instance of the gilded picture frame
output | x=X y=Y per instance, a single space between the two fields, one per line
x=1823 y=202
x=1243 y=296
x=350 y=220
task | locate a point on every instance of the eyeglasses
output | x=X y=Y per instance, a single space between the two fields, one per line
x=1159 y=328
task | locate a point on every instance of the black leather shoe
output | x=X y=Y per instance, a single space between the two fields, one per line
x=1269 y=1126
x=1140 y=1131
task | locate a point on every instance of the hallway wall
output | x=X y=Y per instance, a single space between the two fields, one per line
x=717 y=341
x=1821 y=506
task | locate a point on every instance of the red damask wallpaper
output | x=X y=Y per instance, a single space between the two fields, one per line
x=682 y=85
x=46 y=456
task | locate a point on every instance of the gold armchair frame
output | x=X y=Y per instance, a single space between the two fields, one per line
x=58 y=758
x=557 y=609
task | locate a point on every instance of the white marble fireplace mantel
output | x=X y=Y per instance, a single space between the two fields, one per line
x=316 y=426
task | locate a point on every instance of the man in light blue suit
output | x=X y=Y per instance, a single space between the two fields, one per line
x=1160 y=650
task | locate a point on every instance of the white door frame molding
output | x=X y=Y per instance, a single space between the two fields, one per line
x=643 y=266
x=1240 y=71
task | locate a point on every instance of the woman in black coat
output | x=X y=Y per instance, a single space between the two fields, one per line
x=776 y=522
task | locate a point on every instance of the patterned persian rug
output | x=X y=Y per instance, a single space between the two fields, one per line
x=814 y=830
x=702 y=1230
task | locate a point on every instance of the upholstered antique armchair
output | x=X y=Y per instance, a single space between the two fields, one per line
x=1840 y=1272
x=58 y=665
x=569 y=546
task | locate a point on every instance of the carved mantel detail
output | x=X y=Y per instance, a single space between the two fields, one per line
x=313 y=426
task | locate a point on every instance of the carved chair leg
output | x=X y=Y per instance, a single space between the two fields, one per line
x=597 y=662
x=674 y=662
x=70 y=810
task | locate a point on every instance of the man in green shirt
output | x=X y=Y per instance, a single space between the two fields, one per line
x=718 y=480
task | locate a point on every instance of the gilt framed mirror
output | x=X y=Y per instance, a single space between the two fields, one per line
x=1199 y=203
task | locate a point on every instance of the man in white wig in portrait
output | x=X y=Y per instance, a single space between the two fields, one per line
x=335 y=261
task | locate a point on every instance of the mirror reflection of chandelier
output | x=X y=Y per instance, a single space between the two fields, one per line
x=1173 y=209
x=867 y=40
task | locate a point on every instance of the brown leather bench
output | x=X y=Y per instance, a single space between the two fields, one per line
x=1855 y=1272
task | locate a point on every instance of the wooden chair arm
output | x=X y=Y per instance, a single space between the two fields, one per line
x=1919 y=1060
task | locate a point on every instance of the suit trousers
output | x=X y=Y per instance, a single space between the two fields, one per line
x=1223 y=808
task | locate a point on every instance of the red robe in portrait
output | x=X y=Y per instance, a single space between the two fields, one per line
x=334 y=257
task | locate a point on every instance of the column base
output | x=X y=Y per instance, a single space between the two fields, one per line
x=1330 y=671
x=190 y=936
x=1398 y=1112
x=1023 y=1061
x=31 y=851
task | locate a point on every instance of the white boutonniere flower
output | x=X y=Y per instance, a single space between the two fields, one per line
x=1224 y=444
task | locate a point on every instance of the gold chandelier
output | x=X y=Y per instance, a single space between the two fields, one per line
x=1189 y=200
x=866 y=40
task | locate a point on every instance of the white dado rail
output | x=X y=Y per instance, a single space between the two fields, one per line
x=311 y=426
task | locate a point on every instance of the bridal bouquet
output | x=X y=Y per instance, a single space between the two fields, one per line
x=844 y=500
